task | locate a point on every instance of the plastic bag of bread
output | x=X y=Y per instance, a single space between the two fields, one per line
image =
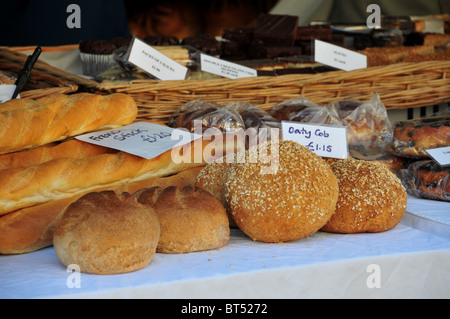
x=413 y=137
x=369 y=130
x=208 y=115
x=258 y=119
x=302 y=110
x=428 y=180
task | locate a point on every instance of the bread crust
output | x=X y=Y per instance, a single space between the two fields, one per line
x=292 y=204
x=68 y=149
x=107 y=233
x=191 y=219
x=31 y=228
x=371 y=198
x=66 y=177
x=28 y=123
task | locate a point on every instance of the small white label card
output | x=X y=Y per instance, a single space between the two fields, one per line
x=338 y=57
x=147 y=140
x=6 y=92
x=224 y=68
x=440 y=155
x=154 y=62
x=323 y=140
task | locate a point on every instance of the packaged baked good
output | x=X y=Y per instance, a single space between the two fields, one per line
x=369 y=130
x=302 y=110
x=427 y=179
x=258 y=119
x=413 y=137
x=202 y=115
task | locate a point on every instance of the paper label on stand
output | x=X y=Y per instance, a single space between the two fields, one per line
x=147 y=140
x=224 y=68
x=154 y=62
x=338 y=57
x=6 y=92
x=440 y=155
x=325 y=141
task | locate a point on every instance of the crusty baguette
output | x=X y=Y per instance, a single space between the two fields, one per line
x=30 y=229
x=67 y=177
x=68 y=149
x=27 y=123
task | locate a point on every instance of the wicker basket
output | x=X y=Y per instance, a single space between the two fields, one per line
x=45 y=79
x=400 y=86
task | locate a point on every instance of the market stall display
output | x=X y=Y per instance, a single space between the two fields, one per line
x=112 y=212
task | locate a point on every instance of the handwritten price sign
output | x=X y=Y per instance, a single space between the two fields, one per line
x=325 y=141
x=147 y=140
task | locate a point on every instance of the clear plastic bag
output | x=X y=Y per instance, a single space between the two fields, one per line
x=428 y=180
x=413 y=137
x=253 y=116
x=201 y=115
x=302 y=110
x=369 y=130
x=264 y=126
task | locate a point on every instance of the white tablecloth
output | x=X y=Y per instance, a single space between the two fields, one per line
x=410 y=261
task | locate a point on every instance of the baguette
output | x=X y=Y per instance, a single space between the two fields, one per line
x=30 y=229
x=66 y=177
x=71 y=148
x=28 y=123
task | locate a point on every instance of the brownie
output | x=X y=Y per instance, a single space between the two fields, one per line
x=206 y=43
x=161 y=40
x=97 y=47
x=295 y=71
x=233 y=51
x=276 y=30
x=242 y=36
x=276 y=52
x=404 y=24
x=324 y=33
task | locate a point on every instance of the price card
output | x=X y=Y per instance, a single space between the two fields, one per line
x=338 y=57
x=147 y=140
x=224 y=68
x=154 y=62
x=325 y=141
x=6 y=92
x=440 y=155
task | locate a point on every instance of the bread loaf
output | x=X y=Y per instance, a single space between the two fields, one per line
x=107 y=233
x=191 y=218
x=371 y=198
x=292 y=202
x=213 y=178
x=67 y=177
x=28 y=123
x=68 y=149
x=30 y=229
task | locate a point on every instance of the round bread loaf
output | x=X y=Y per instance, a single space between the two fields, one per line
x=371 y=198
x=213 y=177
x=291 y=202
x=191 y=218
x=107 y=233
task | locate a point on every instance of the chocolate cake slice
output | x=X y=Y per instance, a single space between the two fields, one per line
x=276 y=30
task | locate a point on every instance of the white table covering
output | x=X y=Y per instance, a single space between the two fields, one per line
x=413 y=261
